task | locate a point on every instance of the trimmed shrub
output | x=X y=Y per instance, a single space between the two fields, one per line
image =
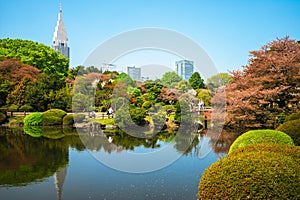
x=53 y=117
x=68 y=119
x=2 y=118
x=293 y=116
x=78 y=118
x=26 y=107
x=51 y=120
x=261 y=137
x=292 y=128
x=55 y=112
x=254 y=172
x=34 y=119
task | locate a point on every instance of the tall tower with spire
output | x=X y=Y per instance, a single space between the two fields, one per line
x=60 y=37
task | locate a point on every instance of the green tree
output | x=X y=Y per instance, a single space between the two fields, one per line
x=196 y=81
x=41 y=94
x=205 y=96
x=218 y=80
x=170 y=79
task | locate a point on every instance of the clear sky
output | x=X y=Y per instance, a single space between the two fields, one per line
x=226 y=30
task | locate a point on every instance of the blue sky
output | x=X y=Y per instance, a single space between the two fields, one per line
x=226 y=30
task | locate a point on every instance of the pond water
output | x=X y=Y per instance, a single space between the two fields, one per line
x=62 y=163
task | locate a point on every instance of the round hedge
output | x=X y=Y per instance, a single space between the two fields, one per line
x=292 y=128
x=256 y=172
x=53 y=117
x=55 y=112
x=34 y=119
x=68 y=119
x=261 y=136
x=293 y=116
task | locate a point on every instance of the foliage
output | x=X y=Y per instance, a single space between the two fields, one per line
x=55 y=112
x=2 y=118
x=125 y=79
x=168 y=95
x=138 y=115
x=182 y=86
x=13 y=107
x=196 y=81
x=68 y=119
x=182 y=113
x=205 y=96
x=34 y=119
x=261 y=137
x=158 y=115
x=35 y=54
x=292 y=128
x=4 y=90
x=256 y=171
x=293 y=116
x=146 y=105
x=25 y=107
x=267 y=86
x=53 y=117
x=218 y=80
x=43 y=92
x=170 y=79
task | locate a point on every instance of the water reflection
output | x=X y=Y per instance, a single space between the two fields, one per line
x=30 y=156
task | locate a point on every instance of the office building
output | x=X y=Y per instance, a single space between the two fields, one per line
x=185 y=69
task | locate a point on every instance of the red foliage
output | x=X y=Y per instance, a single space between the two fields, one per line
x=267 y=86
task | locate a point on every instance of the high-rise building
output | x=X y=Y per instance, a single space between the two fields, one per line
x=185 y=69
x=134 y=73
x=60 y=37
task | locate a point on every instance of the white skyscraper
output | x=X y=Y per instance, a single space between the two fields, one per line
x=60 y=37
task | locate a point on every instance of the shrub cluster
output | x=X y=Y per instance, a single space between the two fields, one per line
x=34 y=119
x=261 y=136
x=256 y=171
x=292 y=128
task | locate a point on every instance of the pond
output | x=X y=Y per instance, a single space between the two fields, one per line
x=64 y=163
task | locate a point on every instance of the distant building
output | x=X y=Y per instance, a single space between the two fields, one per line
x=108 y=67
x=134 y=73
x=60 y=37
x=145 y=78
x=185 y=69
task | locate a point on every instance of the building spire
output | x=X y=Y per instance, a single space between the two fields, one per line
x=60 y=37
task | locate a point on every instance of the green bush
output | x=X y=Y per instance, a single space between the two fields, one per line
x=78 y=118
x=146 y=105
x=55 y=112
x=2 y=118
x=26 y=107
x=254 y=172
x=68 y=119
x=293 y=116
x=292 y=128
x=13 y=108
x=261 y=136
x=51 y=120
x=53 y=117
x=34 y=119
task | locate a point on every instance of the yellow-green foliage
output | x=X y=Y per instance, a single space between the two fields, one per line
x=257 y=171
x=293 y=116
x=292 y=128
x=34 y=119
x=53 y=117
x=261 y=137
x=68 y=119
